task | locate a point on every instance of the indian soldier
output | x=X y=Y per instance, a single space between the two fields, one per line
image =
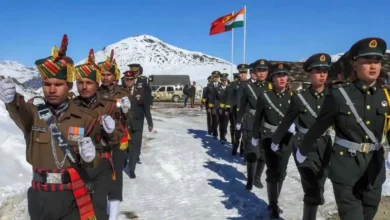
x=358 y=111
x=144 y=97
x=205 y=103
x=87 y=81
x=110 y=90
x=212 y=109
x=233 y=100
x=271 y=108
x=248 y=101
x=57 y=147
x=304 y=108
x=218 y=101
x=136 y=119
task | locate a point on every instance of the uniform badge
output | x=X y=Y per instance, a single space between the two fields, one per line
x=322 y=58
x=40 y=129
x=373 y=44
x=384 y=103
x=75 y=133
x=280 y=66
x=262 y=62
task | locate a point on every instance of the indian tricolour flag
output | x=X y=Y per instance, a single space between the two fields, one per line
x=236 y=21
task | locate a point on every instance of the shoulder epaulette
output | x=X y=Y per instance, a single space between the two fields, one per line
x=270 y=86
x=338 y=85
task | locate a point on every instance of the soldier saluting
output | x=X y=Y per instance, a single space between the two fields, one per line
x=247 y=104
x=271 y=107
x=304 y=108
x=358 y=112
x=54 y=130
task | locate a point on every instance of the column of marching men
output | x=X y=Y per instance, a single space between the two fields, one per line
x=79 y=145
x=269 y=122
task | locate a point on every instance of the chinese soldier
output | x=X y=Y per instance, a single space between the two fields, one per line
x=218 y=101
x=205 y=102
x=304 y=108
x=213 y=109
x=233 y=100
x=57 y=146
x=110 y=90
x=248 y=100
x=358 y=111
x=228 y=106
x=271 y=108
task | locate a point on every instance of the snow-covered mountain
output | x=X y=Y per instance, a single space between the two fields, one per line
x=17 y=71
x=158 y=57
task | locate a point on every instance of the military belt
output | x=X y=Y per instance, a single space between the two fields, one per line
x=271 y=127
x=353 y=147
x=305 y=130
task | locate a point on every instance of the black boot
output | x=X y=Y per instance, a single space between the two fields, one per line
x=250 y=168
x=232 y=136
x=272 y=191
x=259 y=171
x=309 y=212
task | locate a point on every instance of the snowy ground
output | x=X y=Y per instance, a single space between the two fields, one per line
x=185 y=174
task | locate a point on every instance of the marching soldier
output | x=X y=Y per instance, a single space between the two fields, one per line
x=247 y=103
x=205 y=102
x=271 y=107
x=144 y=97
x=228 y=107
x=304 y=108
x=88 y=79
x=233 y=98
x=136 y=119
x=218 y=100
x=110 y=90
x=212 y=110
x=358 y=111
x=57 y=147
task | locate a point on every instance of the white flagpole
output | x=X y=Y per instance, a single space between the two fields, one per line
x=232 y=55
x=244 y=32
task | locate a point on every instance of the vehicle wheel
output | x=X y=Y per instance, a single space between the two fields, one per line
x=175 y=98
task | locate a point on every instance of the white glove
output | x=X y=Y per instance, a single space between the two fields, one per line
x=220 y=111
x=388 y=160
x=108 y=124
x=209 y=110
x=238 y=126
x=125 y=104
x=226 y=113
x=300 y=158
x=87 y=149
x=255 y=142
x=7 y=90
x=291 y=129
x=274 y=147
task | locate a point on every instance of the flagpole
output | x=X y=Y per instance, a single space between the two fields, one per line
x=232 y=55
x=244 y=32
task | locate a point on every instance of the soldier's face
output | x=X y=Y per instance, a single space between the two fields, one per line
x=224 y=82
x=107 y=78
x=215 y=78
x=280 y=80
x=318 y=76
x=243 y=76
x=129 y=82
x=367 y=69
x=56 y=91
x=86 y=87
x=253 y=76
x=261 y=74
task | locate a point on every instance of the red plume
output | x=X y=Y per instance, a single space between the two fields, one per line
x=91 y=57
x=63 y=48
x=112 y=55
